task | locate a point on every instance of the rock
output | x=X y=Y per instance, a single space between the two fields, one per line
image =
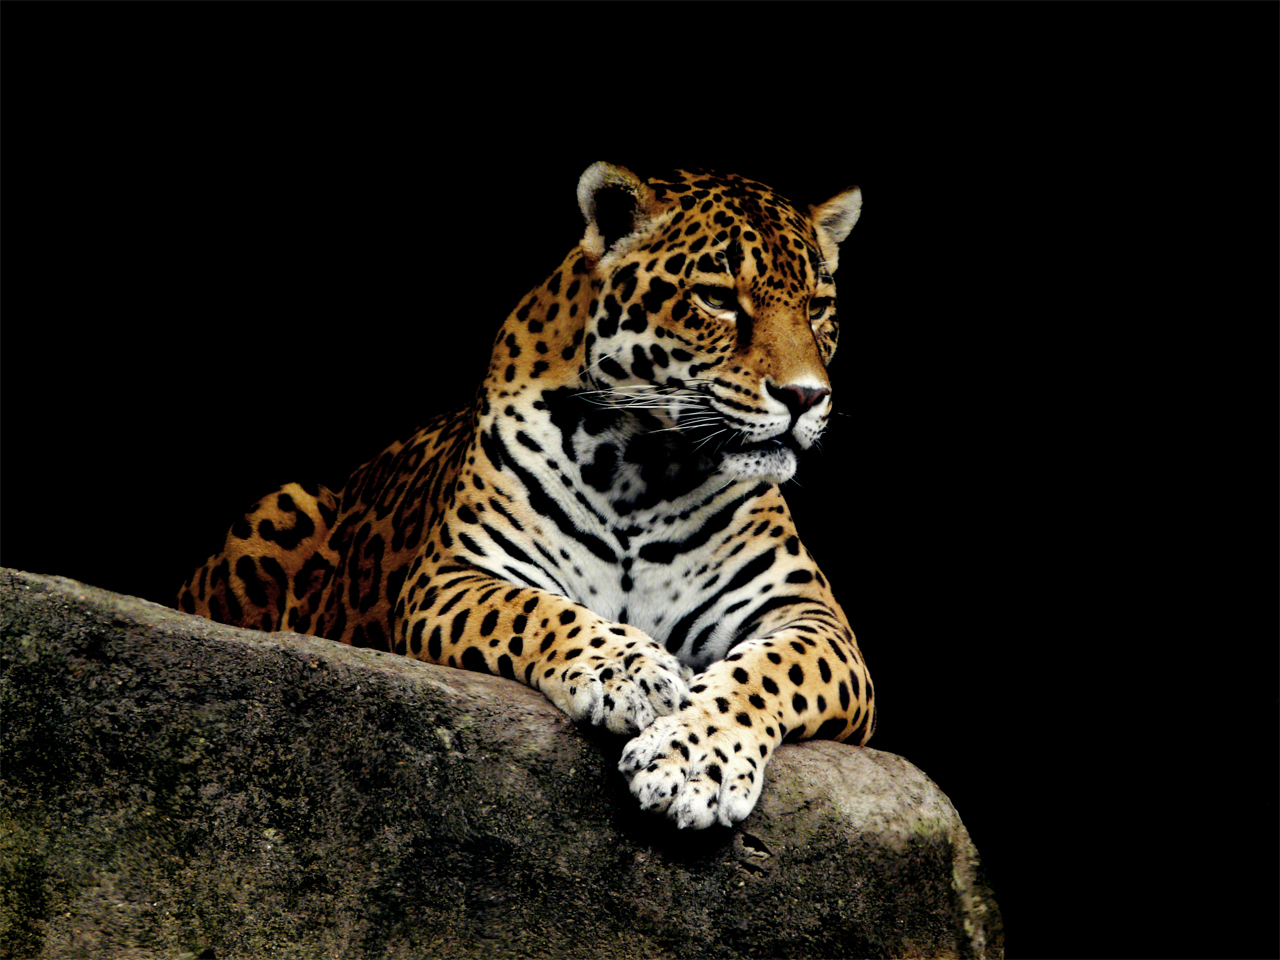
x=174 y=787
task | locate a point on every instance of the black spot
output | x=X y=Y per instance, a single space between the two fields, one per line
x=248 y=574
x=769 y=685
x=830 y=729
x=741 y=675
x=641 y=365
x=506 y=668
x=836 y=647
x=824 y=671
x=799 y=576
x=459 y=624
x=452 y=602
x=489 y=623
x=415 y=637
x=744 y=718
x=288 y=539
x=473 y=659
x=707 y=263
x=799 y=704
x=608 y=324
x=722 y=704
x=614 y=369
x=659 y=293
x=637 y=320
x=624 y=281
x=796 y=674
x=733 y=253
x=271 y=566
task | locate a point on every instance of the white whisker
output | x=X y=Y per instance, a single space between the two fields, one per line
x=703 y=442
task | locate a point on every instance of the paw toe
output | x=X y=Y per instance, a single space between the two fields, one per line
x=696 y=787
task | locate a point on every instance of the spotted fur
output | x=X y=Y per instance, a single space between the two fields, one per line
x=604 y=522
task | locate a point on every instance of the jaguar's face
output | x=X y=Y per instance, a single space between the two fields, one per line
x=720 y=328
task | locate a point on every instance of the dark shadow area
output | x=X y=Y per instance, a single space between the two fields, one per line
x=231 y=263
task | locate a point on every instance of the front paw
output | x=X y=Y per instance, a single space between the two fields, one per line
x=623 y=690
x=698 y=767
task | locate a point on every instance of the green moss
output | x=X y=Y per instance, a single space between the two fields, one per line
x=23 y=896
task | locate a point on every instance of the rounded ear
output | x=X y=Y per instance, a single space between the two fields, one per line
x=615 y=203
x=833 y=220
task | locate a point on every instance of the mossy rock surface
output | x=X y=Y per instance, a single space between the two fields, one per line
x=172 y=787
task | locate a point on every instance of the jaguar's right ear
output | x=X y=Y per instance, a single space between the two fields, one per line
x=616 y=205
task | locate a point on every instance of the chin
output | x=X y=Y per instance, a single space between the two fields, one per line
x=776 y=466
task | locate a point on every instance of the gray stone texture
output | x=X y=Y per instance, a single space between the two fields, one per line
x=176 y=788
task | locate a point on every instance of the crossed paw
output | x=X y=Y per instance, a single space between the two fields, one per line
x=698 y=767
x=624 y=690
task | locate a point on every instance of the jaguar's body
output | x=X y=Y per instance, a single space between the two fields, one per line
x=604 y=522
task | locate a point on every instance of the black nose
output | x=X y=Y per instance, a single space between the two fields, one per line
x=797 y=399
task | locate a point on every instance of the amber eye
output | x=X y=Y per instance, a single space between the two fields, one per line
x=818 y=307
x=716 y=298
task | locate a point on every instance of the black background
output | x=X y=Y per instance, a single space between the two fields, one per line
x=243 y=246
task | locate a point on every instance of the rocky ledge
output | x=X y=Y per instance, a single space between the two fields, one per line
x=172 y=787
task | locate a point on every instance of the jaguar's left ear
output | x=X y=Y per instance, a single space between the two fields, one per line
x=833 y=220
x=616 y=205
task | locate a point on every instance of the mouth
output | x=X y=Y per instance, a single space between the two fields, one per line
x=783 y=441
x=724 y=450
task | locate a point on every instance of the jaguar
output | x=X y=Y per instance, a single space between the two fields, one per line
x=604 y=521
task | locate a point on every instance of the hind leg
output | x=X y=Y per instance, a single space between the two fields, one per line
x=272 y=565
